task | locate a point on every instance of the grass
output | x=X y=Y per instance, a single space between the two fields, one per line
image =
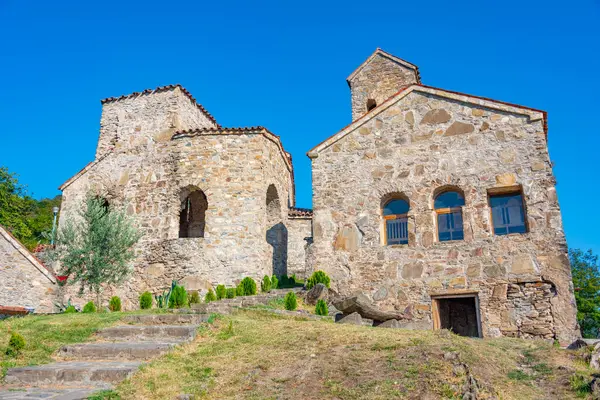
x=255 y=354
x=45 y=334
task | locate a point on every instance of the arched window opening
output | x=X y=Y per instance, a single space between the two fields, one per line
x=103 y=203
x=395 y=215
x=448 y=207
x=192 y=215
x=508 y=212
x=371 y=104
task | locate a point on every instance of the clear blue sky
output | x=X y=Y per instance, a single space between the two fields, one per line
x=283 y=65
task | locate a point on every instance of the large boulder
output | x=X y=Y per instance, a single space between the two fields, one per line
x=318 y=292
x=362 y=305
x=352 y=319
x=595 y=357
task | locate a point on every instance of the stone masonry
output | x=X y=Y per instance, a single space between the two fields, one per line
x=25 y=280
x=420 y=142
x=217 y=204
x=160 y=152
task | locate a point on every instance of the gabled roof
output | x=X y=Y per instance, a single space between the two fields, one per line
x=532 y=113
x=85 y=169
x=163 y=89
x=30 y=257
x=385 y=54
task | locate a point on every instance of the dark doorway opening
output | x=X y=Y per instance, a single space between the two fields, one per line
x=458 y=314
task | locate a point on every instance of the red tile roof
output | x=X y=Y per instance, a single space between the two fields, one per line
x=300 y=212
x=163 y=89
x=13 y=310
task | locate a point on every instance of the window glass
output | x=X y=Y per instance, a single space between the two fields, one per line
x=508 y=213
x=449 y=200
x=396 y=207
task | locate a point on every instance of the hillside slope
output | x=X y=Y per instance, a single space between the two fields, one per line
x=257 y=355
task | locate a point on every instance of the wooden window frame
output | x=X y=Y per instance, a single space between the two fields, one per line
x=499 y=191
x=448 y=210
x=385 y=234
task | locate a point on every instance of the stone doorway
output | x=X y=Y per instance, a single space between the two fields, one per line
x=459 y=313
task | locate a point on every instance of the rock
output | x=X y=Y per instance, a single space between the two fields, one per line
x=437 y=116
x=390 y=323
x=470 y=387
x=318 y=292
x=352 y=319
x=459 y=128
x=595 y=360
x=362 y=305
x=185 y=397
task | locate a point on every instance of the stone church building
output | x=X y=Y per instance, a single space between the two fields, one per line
x=434 y=202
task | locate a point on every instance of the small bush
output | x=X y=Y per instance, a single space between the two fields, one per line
x=221 y=292
x=318 y=277
x=249 y=286
x=178 y=297
x=265 y=285
x=194 y=297
x=70 y=310
x=321 y=308
x=291 y=303
x=239 y=290
x=274 y=282
x=210 y=296
x=15 y=345
x=146 y=301
x=114 y=304
x=90 y=307
x=230 y=293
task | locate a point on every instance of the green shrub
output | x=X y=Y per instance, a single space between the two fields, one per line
x=249 y=286
x=146 y=301
x=90 y=307
x=194 y=297
x=70 y=310
x=210 y=296
x=230 y=293
x=178 y=297
x=265 y=285
x=318 y=277
x=274 y=282
x=16 y=344
x=114 y=304
x=221 y=292
x=321 y=308
x=239 y=290
x=290 y=301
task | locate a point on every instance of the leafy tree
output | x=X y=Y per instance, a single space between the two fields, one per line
x=96 y=247
x=586 y=279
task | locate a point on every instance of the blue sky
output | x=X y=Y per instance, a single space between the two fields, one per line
x=283 y=65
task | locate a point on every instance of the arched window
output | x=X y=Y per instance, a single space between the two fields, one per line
x=277 y=234
x=448 y=207
x=192 y=215
x=103 y=202
x=371 y=104
x=395 y=215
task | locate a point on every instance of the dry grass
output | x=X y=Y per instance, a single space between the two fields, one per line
x=257 y=355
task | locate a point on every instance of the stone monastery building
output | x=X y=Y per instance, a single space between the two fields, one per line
x=433 y=202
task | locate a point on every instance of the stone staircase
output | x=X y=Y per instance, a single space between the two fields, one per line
x=84 y=368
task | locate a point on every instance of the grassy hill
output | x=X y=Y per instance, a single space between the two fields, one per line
x=255 y=354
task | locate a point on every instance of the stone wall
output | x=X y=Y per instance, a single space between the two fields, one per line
x=378 y=80
x=417 y=145
x=150 y=178
x=299 y=234
x=25 y=282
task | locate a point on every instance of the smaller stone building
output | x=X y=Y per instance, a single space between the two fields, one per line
x=26 y=282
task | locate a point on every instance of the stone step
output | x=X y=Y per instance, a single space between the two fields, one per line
x=163 y=333
x=166 y=319
x=73 y=373
x=73 y=393
x=115 y=351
